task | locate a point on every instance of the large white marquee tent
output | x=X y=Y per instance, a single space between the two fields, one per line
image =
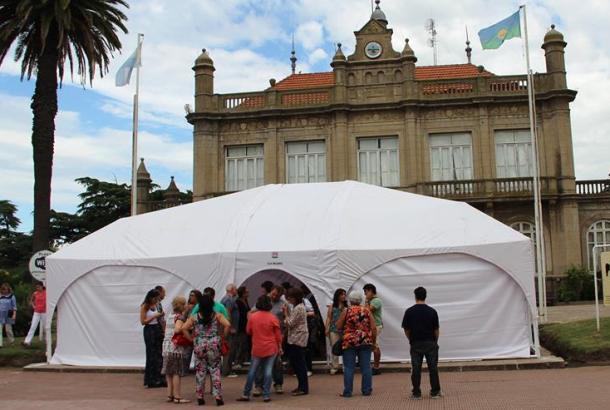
x=478 y=272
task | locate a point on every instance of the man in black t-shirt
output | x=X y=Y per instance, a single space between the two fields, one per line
x=421 y=327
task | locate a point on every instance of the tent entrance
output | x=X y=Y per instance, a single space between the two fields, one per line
x=317 y=341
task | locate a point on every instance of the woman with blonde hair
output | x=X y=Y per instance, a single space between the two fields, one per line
x=176 y=342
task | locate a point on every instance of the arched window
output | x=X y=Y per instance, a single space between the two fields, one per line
x=597 y=234
x=368 y=78
x=398 y=76
x=528 y=229
x=351 y=79
x=380 y=77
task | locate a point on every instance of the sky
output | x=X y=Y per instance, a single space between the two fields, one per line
x=250 y=42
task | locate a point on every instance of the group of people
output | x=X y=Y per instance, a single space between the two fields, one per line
x=220 y=337
x=8 y=313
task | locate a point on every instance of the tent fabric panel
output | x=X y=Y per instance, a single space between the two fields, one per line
x=98 y=319
x=482 y=311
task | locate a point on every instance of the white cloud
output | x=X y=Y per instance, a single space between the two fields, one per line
x=103 y=153
x=310 y=35
x=317 y=55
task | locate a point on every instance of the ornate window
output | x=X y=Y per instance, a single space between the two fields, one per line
x=378 y=161
x=528 y=229
x=513 y=154
x=597 y=234
x=451 y=157
x=306 y=162
x=244 y=167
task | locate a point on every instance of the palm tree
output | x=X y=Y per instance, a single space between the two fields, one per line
x=47 y=33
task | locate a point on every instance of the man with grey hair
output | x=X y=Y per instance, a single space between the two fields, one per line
x=229 y=301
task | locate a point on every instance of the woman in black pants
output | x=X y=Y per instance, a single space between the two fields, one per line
x=149 y=318
x=296 y=324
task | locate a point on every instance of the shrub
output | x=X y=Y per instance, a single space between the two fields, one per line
x=577 y=285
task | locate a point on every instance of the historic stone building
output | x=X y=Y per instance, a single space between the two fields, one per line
x=453 y=131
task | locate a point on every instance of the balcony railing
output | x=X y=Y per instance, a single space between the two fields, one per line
x=481 y=87
x=507 y=187
x=485 y=188
x=593 y=187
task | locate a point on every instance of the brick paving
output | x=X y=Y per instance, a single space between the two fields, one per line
x=573 y=388
x=576 y=311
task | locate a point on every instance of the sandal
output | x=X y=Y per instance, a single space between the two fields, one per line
x=170 y=399
x=180 y=400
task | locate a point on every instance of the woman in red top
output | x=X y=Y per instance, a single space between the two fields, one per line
x=264 y=327
x=38 y=301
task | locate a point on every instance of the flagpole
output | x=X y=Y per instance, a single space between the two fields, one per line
x=540 y=256
x=134 y=149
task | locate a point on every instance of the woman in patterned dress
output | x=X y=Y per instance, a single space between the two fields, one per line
x=207 y=326
x=173 y=354
x=359 y=335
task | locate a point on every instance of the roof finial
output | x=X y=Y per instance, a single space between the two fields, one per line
x=468 y=48
x=293 y=57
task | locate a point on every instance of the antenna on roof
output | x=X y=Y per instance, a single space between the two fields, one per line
x=293 y=57
x=432 y=42
x=468 y=48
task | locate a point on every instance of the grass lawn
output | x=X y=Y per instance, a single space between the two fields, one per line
x=16 y=355
x=578 y=341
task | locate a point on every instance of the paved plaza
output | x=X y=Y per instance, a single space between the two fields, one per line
x=577 y=388
x=576 y=311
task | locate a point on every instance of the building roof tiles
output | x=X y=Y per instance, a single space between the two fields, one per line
x=438 y=72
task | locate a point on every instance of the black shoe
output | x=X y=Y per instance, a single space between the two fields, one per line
x=414 y=396
x=220 y=402
x=376 y=371
x=200 y=402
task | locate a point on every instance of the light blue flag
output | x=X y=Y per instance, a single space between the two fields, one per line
x=124 y=74
x=494 y=36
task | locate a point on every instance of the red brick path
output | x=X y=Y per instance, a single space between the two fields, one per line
x=578 y=388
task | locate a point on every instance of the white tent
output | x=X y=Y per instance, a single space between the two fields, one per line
x=478 y=272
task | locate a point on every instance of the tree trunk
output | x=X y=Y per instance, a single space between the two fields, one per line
x=44 y=108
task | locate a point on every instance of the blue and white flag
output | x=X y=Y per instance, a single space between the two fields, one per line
x=124 y=74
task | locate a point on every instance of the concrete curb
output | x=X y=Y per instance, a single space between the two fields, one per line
x=545 y=362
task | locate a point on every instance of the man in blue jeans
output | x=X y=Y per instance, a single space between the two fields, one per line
x=421 y=327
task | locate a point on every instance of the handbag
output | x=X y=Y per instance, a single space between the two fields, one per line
x=224 y=347
x=178 y=339
x=337 y=348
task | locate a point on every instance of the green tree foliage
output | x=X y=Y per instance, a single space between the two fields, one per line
x=8 y=216
x=49 y=33
x=14 y=246
x=102 y=203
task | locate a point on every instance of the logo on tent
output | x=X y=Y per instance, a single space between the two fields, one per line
x=274 y=255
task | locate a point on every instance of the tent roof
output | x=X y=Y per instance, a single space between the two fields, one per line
x=296 y=217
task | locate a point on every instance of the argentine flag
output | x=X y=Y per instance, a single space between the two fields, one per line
x=494 y=36
x=124 y=74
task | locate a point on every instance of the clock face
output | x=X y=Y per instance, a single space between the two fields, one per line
x=373 y=49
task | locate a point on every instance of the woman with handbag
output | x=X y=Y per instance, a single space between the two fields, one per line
x=207 y=326
x=177 y=340
x=359 y=334
x=333 y=334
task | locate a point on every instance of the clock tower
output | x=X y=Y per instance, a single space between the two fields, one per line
x=374 y=40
